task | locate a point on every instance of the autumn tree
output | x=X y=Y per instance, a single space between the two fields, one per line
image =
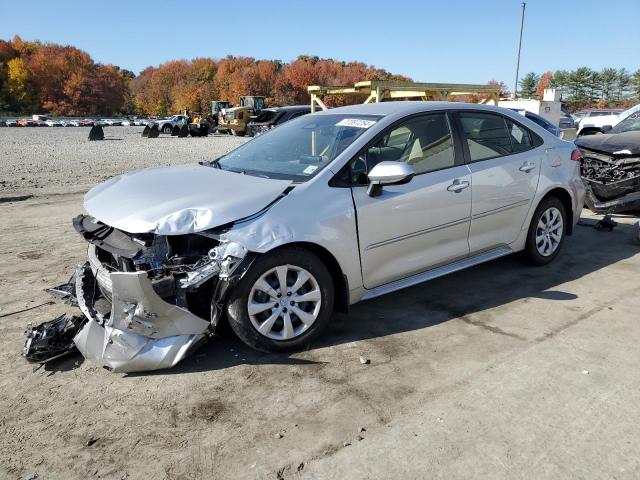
x=544 y=82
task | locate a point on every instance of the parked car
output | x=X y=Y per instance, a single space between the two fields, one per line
x=272 y=117
x=543 y=122
x=594 y=125
x=166 y=125
x=611 y=167
x=53 y=123
x=109 y=122
x=595 y=112
x=12 y=123
x=323 y=212
x=27 y=122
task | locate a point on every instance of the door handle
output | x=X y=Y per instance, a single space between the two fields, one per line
x=527 y=167
x=457 y=186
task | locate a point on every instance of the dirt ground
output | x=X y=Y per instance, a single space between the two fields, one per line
x=502 y=371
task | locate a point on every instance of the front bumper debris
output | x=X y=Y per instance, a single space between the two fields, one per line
x=146 y=302
x=141 y=332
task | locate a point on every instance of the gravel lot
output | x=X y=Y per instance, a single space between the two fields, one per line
x=502 y=371
x=59 y=159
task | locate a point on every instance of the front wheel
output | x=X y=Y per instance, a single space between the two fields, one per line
x=546 y=231
x=284 y=301
x=167 y=128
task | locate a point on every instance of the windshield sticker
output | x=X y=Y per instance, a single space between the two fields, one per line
x=355 y=122
x=310 y=169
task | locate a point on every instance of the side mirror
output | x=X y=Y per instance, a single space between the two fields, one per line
x=606 y=128
x=388 y=173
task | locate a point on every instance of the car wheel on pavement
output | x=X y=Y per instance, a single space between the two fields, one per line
x=167 y=128
x=283 y=302
x=546 y=231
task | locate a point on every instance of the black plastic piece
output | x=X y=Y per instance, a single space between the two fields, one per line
x=52 y=339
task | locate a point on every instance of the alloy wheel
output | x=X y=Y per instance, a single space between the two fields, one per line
x=549 y=232
x=284 y=302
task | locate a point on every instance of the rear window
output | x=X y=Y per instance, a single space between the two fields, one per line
x=491 y=135
x=486 y=135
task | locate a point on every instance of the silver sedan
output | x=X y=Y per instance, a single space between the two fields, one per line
x=325 y=211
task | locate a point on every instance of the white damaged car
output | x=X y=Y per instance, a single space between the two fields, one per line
x=325 y=211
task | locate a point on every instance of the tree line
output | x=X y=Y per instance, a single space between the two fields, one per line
x=585 y=88
x=63 y=80
x=38 y=77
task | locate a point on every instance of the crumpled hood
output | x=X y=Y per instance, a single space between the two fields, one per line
x=179 y=200
x=612 y=142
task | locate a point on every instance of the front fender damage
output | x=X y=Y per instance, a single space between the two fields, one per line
x=133 y=328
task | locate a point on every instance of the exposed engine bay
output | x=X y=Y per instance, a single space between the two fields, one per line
x=147 y=300
x=612 y=180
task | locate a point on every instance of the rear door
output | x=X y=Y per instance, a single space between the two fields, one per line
x=504 y=158
x=413 y=227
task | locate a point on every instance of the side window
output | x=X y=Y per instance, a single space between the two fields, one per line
x=520 y=137
x=423 y=142
x=486 y=135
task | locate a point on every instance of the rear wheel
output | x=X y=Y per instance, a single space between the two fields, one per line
x=546 y=231
x=283 y=302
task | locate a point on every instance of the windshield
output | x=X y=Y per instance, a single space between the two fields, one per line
x=298 y=149
x=267 y=116
x=630 y=124
x=629 y=112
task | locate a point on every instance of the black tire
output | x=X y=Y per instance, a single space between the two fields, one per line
x=238 y=315
x=237 y=133
x=168 y=128
x=531 y=252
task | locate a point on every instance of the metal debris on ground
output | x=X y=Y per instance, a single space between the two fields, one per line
x=364 y=360
x=606 y=224
x=91 y=441
x=53 y=339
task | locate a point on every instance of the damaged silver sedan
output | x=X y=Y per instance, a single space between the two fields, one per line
x=325 y=211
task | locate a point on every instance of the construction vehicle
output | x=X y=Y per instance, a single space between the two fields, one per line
x=235 y=120
x=217 y=106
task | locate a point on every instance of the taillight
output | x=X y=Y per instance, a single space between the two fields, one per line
x=576 y=155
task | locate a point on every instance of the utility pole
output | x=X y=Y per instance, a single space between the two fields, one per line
x=515 y=87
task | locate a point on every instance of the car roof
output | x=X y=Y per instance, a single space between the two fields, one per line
x=408 y=107
x=289 y=108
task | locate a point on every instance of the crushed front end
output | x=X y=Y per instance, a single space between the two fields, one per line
x=612 y=180
x=147 y=300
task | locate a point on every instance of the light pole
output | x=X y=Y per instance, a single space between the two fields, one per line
x=515 y=87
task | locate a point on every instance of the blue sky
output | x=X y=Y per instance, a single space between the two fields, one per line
x=461 y=41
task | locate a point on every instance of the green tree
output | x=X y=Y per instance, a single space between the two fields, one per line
x=623 y=84
x=528 y=85
x=635 y=83
x=608 y=82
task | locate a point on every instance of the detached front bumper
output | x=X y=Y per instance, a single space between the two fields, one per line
x=141 y=332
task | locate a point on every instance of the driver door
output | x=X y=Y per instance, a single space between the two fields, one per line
x=424 y=223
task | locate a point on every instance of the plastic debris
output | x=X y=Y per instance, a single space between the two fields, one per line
x=52 y=339
x=364 y=360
